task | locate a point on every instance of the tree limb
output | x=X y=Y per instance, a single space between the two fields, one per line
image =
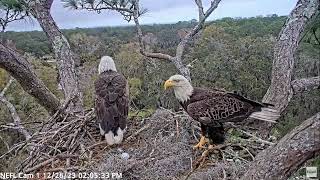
x=16 y=119
x=5 y=89
x=289 y=154
x=305 y=84
x=21 y=70
x=280 y=91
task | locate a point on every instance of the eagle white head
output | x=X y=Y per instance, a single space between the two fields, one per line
x=106 y=64
x=181 y=86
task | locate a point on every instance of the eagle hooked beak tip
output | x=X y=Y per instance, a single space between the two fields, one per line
x=168 y=84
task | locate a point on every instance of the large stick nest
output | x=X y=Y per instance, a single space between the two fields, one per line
x=159 y=147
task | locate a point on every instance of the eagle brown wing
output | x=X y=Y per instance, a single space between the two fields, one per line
x=209 y=107
x=112 y=101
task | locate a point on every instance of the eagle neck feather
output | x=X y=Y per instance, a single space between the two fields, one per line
x=183 y=93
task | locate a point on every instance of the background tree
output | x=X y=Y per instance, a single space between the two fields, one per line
x=11 y=10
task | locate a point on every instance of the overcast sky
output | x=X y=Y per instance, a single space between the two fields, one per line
x=160 y=11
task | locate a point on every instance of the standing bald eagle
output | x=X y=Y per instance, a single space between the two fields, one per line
x=214 y=107
x=112 y=101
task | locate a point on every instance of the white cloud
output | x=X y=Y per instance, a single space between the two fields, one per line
x=165 y=11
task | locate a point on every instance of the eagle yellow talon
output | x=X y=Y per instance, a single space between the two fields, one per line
x=203 y=141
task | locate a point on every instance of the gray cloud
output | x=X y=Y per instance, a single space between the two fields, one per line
x=160 y=11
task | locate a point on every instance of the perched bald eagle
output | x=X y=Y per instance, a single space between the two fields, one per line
x=112 y=101
x=214 y=107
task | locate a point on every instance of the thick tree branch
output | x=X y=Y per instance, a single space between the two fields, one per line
x=65 y=58
x=22 y=71
x=289 y=154
x=305 y=84
x=280 y=91
x=16 y=119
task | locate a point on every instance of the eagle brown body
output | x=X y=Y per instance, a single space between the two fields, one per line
x=111 y=105
x=212 y=108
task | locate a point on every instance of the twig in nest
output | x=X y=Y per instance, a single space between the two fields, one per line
x=207 y=152
x=177 y=128
x=256 y=138
x=236 y=156
x=224 y=174
x=251 y=135
x=137 y=132
x=5 y=143
x=247 y=150
x=73 y=168
x=191 y=170
x=15 y=147
x=46 y=162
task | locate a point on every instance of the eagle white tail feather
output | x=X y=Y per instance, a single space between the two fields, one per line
x=112 y=139
x=266 y=114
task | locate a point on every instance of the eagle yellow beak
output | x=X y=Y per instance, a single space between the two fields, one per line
x=168 y=84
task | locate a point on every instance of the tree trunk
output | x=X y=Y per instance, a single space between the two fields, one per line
x=21 y=70
x=280 y=91
x=65 y=58
x=289 y=154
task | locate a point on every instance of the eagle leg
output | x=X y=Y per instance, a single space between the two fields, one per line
x=203 y=141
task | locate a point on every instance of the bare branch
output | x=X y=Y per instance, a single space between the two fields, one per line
x=16 y=119
x=305 y=84
x=289 y=154
x=196 y=29
x=200 y=9
x=140 y=35
x=7 y=86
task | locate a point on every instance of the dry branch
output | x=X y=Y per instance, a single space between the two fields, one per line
x=289 y=154
x=280 y=90
x=305 y=84
x=15 y=116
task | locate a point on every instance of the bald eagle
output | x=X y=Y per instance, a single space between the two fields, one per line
x=213 y=107
x=112 y=101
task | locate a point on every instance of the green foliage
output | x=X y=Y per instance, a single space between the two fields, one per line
x=14 y=5
x=135 y=88
x=141 y=114
x=219 y=53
